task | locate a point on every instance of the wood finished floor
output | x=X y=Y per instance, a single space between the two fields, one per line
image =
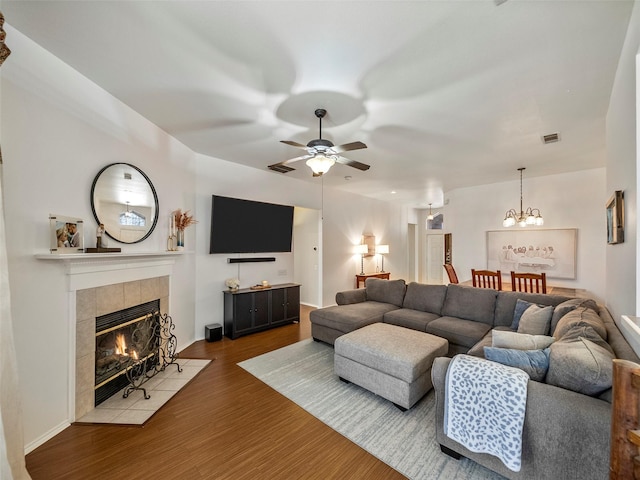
x=225 y=424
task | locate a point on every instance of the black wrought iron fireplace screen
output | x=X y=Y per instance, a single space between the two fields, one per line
x=132 y=345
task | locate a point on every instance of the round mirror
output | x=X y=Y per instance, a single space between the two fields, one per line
x=124 y=201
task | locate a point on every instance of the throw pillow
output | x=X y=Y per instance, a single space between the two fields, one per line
x=521 y=306
x=533 y=362
x=581 y=366
x=519 y=341
x=580 y=316
x=565 y=307
x=536 y=320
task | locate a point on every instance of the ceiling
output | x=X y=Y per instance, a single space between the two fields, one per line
x=446 y=94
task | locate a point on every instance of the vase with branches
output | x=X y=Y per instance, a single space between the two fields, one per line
x=182 y=220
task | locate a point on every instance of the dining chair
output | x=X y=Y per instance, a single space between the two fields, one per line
x=529 y=282
x=486 y=279
x=453 y=278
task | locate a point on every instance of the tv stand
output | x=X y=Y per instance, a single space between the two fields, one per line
x=248 y=311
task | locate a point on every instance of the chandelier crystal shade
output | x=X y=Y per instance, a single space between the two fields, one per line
x=530 y=216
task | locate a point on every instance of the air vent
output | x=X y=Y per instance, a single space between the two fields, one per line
x=551 y=138
x=127 y=176
x=281 y=168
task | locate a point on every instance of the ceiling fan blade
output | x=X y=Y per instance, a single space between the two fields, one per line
x=283 y=167
x=293 y=144
x=348 y=146
x=296 y=159
x=353 y=163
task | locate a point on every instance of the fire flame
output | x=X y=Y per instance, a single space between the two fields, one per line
x=121 y=347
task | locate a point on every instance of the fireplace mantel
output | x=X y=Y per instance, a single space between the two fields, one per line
x=89 y=270
x=79 y=257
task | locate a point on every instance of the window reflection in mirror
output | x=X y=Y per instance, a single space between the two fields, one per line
x=125 y=201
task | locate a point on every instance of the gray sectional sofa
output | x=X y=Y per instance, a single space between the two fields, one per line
x=566 y=432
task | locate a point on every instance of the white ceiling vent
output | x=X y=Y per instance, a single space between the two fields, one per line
x=551 y=138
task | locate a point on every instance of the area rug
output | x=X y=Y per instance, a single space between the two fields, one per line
x=135 y=409
x=303 y=372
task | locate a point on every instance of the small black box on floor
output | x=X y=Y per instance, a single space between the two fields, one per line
x=213 y=332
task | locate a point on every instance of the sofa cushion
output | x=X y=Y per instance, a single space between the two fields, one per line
x=426 y=298
x=406 y=317
x=581 y=361
x=535 y=320
x=519 y=341
x=346 y=318
x=565 y=307
x=458 y=331
x=385 y=291
x=521 y=306
x=534 y=362
x=470 y=303
x=580 y=316
x=506 y=303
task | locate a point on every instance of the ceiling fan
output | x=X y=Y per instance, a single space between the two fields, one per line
x=321 y=153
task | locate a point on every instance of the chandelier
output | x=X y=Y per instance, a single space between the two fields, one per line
x=531 y=216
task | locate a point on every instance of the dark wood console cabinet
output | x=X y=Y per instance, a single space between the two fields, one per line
x=248 y=311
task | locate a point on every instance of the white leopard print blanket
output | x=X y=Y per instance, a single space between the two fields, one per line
x=484 y=407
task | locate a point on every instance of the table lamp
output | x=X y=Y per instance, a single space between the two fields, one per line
x=382 y=250
x=362 y=250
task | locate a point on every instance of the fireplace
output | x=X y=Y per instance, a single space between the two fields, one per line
x=94 y=302
x=127 y=341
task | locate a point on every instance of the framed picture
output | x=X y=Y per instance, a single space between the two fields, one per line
x=615 y=218
x=370 y=242
x=552 y=251
x=66 y=234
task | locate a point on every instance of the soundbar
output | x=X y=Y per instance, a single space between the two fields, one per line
x=251 y=259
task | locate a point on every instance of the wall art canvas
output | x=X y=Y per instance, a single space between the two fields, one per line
x=552 y=251
x=615 y=218
x=66 y=234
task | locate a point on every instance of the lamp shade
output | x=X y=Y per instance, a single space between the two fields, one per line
x=382 y=249
x=361 y=249
x=320 y=164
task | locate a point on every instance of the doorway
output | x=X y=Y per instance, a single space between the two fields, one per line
x=307 y=255
x=435 y=259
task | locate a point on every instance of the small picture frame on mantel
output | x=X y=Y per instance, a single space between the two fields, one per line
x=615 y=218
x=66 y=234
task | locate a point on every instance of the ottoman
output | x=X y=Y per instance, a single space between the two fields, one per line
x=391 y=361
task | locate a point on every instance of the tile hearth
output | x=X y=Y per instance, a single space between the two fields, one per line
x=135 y=409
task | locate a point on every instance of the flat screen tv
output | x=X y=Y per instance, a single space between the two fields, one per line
x=246 y=226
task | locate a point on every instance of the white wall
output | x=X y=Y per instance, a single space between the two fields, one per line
x=345 y=218
x=623 y=268
x=570 y=200
x=58 y=131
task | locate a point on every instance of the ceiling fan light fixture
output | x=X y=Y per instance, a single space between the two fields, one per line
x=320 y=164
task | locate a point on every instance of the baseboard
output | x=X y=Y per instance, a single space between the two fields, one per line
x=46 y=437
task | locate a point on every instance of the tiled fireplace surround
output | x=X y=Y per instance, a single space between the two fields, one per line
x=101 y=287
